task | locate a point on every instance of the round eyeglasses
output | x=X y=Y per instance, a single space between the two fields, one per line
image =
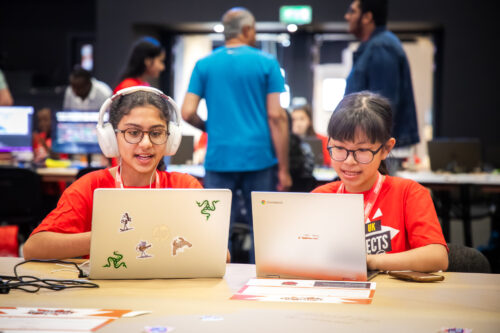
x=363 y=156
x=133 y=136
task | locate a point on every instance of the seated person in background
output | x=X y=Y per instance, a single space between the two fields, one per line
x=145 y=63
x=406 y=234
x=5 y=95
x=139 y=136
x=303 y=127
x=42 y=140
x=84 y=91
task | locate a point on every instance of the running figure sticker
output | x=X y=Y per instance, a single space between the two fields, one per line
x=125 y=220
x=115 y=261
x=141 y=248
x=179 y=244
x=206 y=207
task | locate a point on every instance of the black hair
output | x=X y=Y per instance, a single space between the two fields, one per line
x=80 y=72
x=371 y=113
x=144 y=48
x=378 y=8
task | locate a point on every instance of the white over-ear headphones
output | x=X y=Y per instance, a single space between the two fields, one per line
x=106 y=135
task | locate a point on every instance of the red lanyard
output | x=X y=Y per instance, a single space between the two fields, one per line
x=371 y=197
x=119 y=181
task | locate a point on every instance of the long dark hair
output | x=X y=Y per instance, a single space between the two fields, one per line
x=144 y=48
x=365 y=111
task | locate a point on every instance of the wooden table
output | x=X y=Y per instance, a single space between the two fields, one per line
x=463 y=300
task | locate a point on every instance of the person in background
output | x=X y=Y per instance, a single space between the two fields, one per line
x=247 y=128
x=140 y=121
x=145 y=62
x=380 y=65
x=42 y=138
x=84 y=92
x=5 y=95
x=403 y=230
x=303 y=127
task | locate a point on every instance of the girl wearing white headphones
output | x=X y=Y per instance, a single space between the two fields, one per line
x=143 y=127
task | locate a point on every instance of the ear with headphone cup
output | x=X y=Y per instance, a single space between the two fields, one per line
x=174 y=139
x=107 y=140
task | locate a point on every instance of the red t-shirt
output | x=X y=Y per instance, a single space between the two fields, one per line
x=73 y=213
x=402 y=218
x=326 y=155
x=130 y=82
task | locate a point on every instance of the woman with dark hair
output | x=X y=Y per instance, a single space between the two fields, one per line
x=145 y=62
x=302 y=126
x=140 y=135
x=402 y=228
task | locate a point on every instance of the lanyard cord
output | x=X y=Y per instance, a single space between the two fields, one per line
x=371 y=197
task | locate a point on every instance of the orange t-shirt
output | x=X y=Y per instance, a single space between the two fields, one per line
x=73 y=213
x=402 y=218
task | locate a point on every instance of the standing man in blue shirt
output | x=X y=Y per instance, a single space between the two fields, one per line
x=380 y=65
x=247 y=129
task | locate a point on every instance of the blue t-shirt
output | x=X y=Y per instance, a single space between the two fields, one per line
x=235 y=82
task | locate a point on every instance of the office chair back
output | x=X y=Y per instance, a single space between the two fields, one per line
x=466 y=259
x=20 y=197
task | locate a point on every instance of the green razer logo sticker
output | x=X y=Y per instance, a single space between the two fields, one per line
x=115 y=261
x=206 y=207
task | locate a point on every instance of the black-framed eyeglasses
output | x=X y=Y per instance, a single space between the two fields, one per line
x=363 y=155
x=133 y=135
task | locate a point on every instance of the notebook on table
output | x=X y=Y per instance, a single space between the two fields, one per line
x=309 y=235
x=159 y=233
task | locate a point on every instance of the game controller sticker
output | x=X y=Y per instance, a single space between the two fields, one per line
x=115 y=261
x=206 y=207
x=179 y=245
x=141 y=249
x=125 y=220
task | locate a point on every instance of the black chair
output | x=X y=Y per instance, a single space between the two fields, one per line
x=21 y=199
x=466 y=259
x=84 y=171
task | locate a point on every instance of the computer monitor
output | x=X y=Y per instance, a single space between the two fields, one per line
x=455 y=154
x=16 y=125
x=74 y=132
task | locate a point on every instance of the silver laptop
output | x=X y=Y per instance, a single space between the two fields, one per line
x=159 y=233
x=309 y=235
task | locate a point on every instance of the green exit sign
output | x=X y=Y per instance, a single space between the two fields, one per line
x=296 y=14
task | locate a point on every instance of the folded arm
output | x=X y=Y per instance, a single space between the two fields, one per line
x=53 y=245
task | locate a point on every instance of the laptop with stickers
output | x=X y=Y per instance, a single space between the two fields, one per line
x=159 y=233
x=309 y=235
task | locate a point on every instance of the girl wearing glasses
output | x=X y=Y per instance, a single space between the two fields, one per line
x=402 y=228
x=140 y=121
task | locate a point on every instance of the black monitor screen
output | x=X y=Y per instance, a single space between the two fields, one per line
x=74 y=132
x=15 y=128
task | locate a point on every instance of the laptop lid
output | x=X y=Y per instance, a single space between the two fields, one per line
x=316 y=147
x=454 y=155
x=159 y=233
x=309 y=235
